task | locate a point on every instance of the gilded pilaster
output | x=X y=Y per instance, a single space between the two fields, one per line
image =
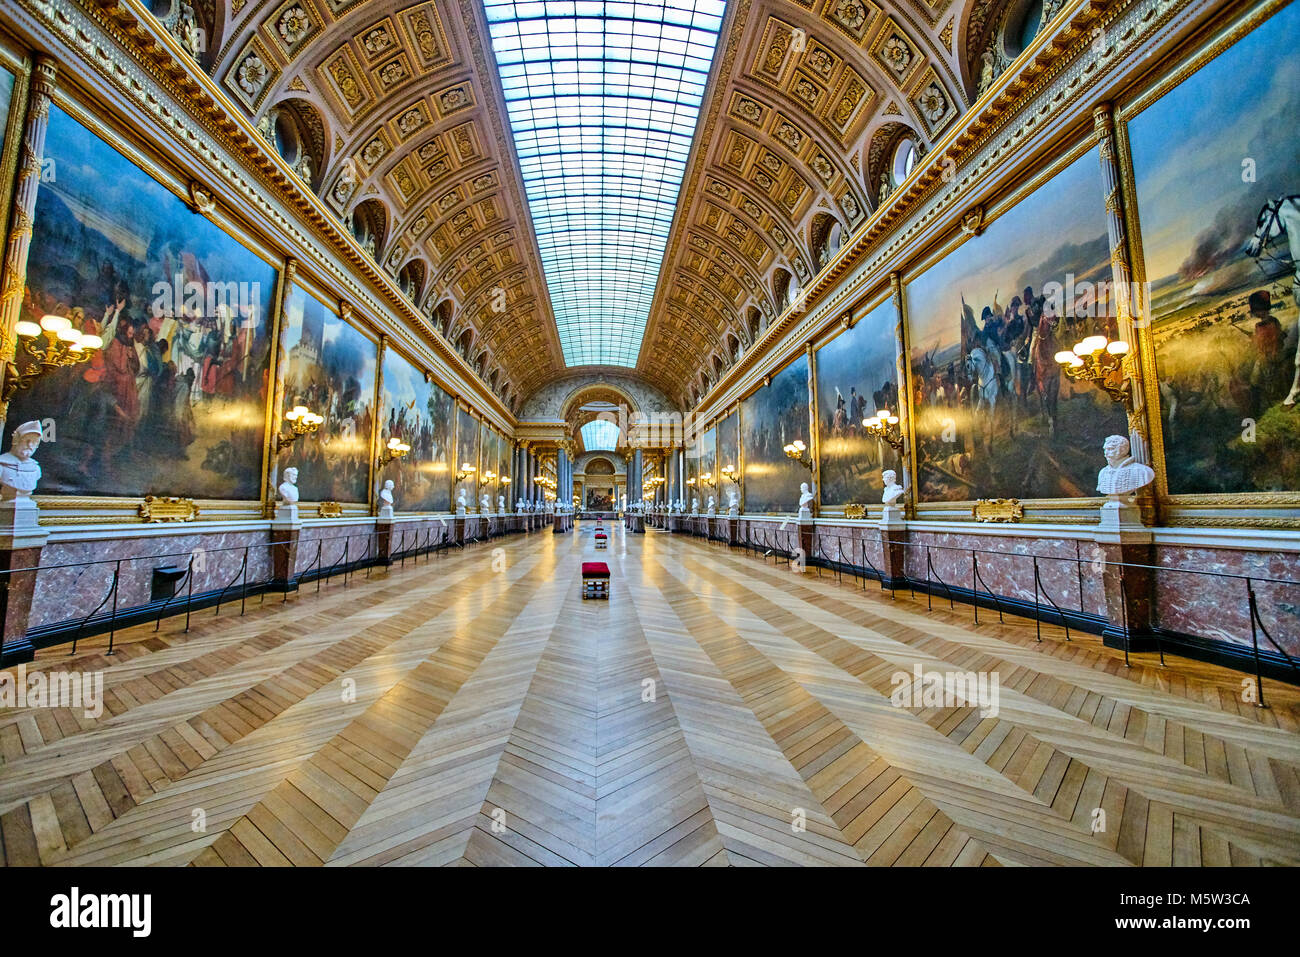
x=814 y=446
x=1126 y=296
x=903 y=369
x=26 y=185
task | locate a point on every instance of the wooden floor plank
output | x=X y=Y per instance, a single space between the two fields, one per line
x=717 y=710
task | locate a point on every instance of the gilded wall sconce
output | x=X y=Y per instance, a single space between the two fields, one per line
x=1097 y=359
x=395 y=450
x=64 y=346
x=466 y=471
x=302 y=421
x=884 y=425
x=799 y=452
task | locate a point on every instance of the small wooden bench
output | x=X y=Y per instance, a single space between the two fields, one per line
x=595 y=580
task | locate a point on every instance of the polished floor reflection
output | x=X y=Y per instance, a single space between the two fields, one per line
x=473 y=709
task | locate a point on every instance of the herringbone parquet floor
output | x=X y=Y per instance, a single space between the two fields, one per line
x=474 y=710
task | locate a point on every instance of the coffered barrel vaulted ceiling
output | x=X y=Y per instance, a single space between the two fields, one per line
x=597 y=168
x=809 y=100
x=405 y=105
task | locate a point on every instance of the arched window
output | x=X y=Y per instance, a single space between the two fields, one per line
x=906 y=155
x=1022 y=26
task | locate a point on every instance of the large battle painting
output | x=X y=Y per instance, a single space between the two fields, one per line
x=329 y=367
x=770 y=419
x=708 y=468
x=856 y=377
x=467 y=450
x=728 y=457
x=489 y=463
x=175 y=402
x=691 y=489
x=1216 y=163
x=420 y=414
x=994 y=416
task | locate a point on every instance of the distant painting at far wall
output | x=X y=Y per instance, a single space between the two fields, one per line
x=467 y=454
x=770 y=419
x=330 y=369
x=728 y=457
x=994 y=416
x=421 y=415
x=1224 y=322
x=856 y=375
x=175 y=402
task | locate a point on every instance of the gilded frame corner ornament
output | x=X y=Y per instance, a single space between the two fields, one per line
x=998 y=510
x=163 y=508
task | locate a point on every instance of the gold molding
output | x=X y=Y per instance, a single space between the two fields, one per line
x=329 y=510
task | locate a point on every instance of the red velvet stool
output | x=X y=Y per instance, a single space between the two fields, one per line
x=595 y=580
x=601 y=539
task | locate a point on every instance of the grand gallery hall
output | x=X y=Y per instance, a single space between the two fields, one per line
x=674 y=432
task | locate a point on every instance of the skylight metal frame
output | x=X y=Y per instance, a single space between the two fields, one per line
x=603 y=99
x=600 y=435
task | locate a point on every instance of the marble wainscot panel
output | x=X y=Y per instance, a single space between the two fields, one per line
x=77 y=573
x=848 y=543
x=322 y=545
x=1218 y=608
x=1069 y=569
x=416 y=533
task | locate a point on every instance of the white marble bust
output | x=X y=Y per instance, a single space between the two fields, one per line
x=289 y=487
x=484 y=503
x=461 y=504
x=695 y=505
x=501 y=504
x=19 y=471
x=386 y=500
x=893 y=491
x=713 y=506
x=519 y=505
x=1122 y=476
x=733 y=503
x=805 y=500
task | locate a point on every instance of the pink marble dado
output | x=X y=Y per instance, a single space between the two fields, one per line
x=858 y=545
x=1218 y=607
x=75 y=577
x=772 y=535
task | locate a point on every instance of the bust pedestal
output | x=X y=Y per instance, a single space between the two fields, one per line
x=21 y=542
x=1129 y=590
x=384 y=535
x=893 y=546
x=285 y=529
x=807 y=529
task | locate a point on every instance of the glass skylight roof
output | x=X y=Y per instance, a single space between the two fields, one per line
x=599 y=435
x=603 y=99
